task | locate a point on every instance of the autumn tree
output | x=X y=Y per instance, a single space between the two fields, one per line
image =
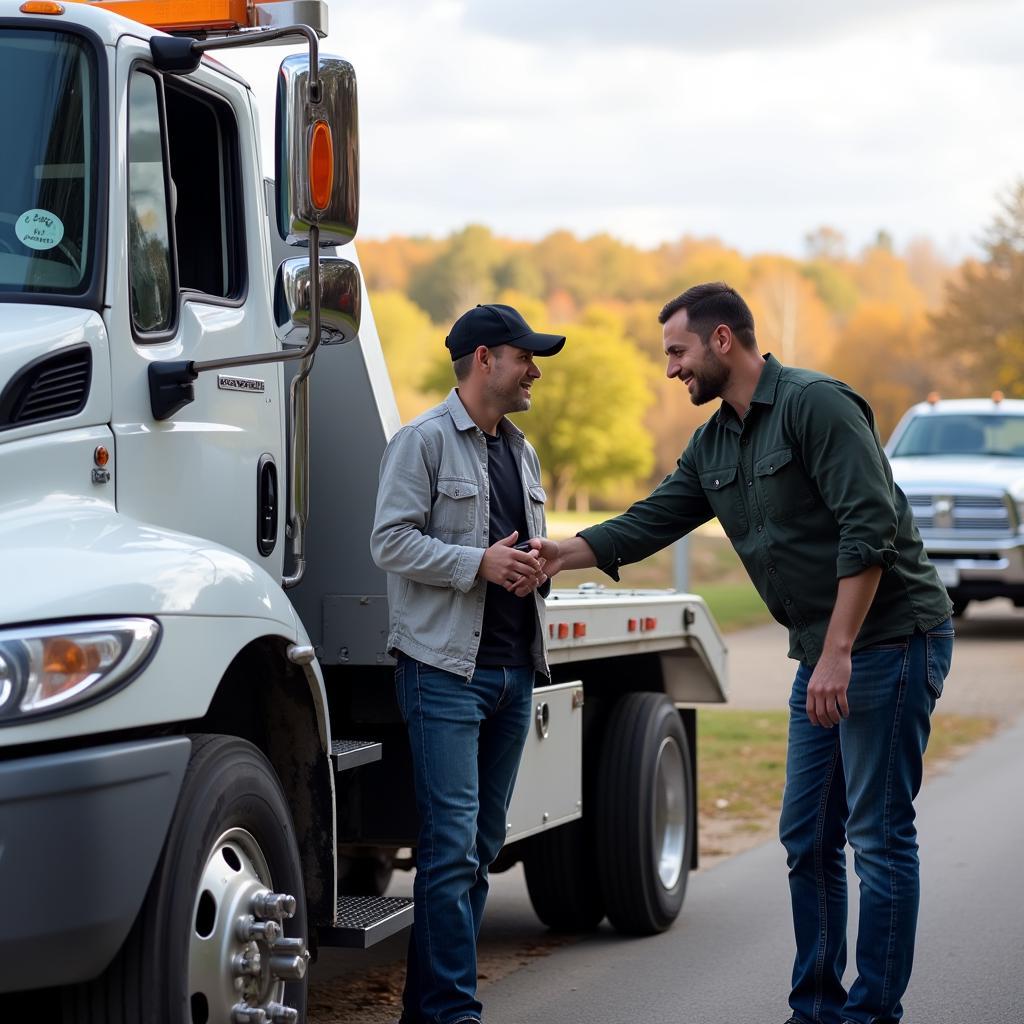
x=882 y=353
x=981 y=327
x=587 y=417
x=412 y=346
x=461 y=276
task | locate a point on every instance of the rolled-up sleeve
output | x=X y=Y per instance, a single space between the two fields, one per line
x=844 y=457
x=399 y=542
x=675 y=507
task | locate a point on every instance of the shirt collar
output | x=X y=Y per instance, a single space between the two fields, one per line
x=463 y=421
x=764 y=393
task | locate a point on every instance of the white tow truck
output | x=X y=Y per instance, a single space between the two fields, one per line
x=203 y=774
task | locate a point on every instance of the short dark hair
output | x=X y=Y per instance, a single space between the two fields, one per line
x=463 y=365
x=711 y=304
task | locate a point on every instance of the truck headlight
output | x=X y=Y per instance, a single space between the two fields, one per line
x=44 y=667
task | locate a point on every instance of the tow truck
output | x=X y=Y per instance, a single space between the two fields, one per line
x=203 y=773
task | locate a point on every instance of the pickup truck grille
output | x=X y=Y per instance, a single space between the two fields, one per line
x=972 y=513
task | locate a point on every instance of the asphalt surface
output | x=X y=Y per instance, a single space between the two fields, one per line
x=728 y=957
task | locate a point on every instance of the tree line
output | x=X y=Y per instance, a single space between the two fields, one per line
x=894 y=325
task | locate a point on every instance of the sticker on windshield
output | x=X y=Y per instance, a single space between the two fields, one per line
x=39 y=229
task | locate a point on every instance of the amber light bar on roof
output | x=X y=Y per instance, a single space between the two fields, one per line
x=183 y=15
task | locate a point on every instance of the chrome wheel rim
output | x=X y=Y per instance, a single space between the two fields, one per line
x=238 y=958
x=670 y=813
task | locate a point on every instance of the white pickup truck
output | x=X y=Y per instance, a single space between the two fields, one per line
x=961 y=464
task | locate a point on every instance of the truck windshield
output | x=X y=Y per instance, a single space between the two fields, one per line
x=48 y=123
x=980 y=434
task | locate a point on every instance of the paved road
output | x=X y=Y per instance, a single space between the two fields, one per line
x=727 y=958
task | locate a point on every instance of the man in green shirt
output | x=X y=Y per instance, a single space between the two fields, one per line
x=792 y=466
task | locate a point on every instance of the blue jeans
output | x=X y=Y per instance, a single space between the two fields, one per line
x=467 y=738
x=856 y=782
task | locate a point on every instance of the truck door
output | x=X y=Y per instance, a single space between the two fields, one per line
x=187 y=279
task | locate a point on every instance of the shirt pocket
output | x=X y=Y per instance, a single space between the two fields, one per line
x=453 y=514
x=723 y=492
x=784 y=487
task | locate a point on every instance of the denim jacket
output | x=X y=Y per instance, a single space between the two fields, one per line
x=431 y=529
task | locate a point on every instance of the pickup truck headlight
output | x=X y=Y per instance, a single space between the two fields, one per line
x=45 y=667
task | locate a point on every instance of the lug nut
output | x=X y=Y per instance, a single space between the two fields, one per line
x=288 y=968
x=243 y=963
x=273 y=904
x=289 y=947
x=243 y=1013
x=250 y=929
x=282 y=1014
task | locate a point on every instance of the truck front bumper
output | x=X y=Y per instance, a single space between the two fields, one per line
x=80 y=835
x=979 y=568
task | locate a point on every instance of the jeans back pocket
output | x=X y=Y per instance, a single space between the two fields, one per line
x=939 y=654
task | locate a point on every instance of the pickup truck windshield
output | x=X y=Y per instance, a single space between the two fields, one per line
x=48 y=124
x=979 y=434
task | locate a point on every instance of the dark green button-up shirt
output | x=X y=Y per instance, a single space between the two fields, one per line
x=803 y=490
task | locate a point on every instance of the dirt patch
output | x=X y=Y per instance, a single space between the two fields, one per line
x=375 y=996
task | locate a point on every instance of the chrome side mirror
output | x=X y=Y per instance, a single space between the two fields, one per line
x=340 y=300
x=317 y=152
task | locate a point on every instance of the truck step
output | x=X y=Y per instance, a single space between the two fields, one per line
x=352 y=753
x=365 y=920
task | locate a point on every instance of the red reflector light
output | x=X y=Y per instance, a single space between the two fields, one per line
x=563 y=630
x=632 y=625
x=579 y=629
x=551 y=630
x=650 y=624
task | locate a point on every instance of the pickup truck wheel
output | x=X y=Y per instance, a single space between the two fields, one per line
x=646 y=821
x=561 y=877
x=221 y=936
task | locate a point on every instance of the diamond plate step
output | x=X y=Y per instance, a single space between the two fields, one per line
x=352 y=753
x=365 y=920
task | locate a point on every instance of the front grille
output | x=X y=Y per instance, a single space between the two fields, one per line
x=50 y=388
x=969 y=513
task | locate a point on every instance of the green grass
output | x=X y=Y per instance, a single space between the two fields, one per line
x=741 y=759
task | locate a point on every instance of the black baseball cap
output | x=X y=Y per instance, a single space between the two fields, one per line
x=496 y=324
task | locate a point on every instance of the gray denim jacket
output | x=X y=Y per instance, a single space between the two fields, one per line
x=431 y=530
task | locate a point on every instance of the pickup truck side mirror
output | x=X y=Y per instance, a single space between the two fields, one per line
x=340 y=300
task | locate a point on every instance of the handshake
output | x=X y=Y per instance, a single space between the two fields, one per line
x=521 y=567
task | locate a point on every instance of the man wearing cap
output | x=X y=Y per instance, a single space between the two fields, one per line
x=459 y=488
x=792 y=466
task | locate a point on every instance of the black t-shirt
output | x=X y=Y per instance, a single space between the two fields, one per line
x=509 y=621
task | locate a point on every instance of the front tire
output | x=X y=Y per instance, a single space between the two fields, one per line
x=646 y=820
x=208 y=939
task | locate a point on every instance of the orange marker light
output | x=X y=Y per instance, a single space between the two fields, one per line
x=579 y=629
x=41 y=7
x=563 y=630
x=997 y=397
x=101 y=456
x=65 y=665
x=933 y=397
x=632 y=625
x=650 y=624
x=321 y=165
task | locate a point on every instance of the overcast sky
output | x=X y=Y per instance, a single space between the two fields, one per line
x=750 y=120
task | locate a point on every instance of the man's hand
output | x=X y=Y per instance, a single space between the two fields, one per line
x=511 y=569
x=826 y=691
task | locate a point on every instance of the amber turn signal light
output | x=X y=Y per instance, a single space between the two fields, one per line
x=321 y=165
